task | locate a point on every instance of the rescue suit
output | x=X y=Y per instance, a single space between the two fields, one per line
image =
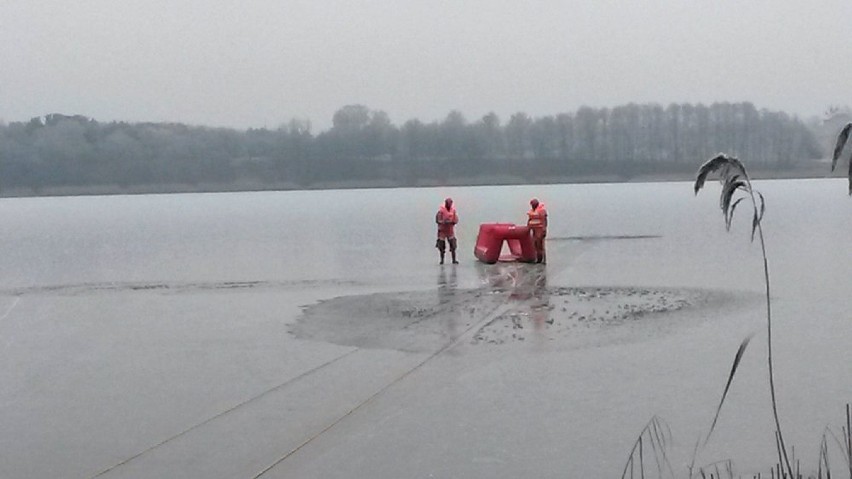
x=446 y=218
x=537 y=222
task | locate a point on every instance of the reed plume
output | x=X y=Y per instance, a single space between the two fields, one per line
x=842 y=138
x=734 y=178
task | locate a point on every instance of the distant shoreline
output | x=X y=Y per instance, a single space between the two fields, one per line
x=820 y=169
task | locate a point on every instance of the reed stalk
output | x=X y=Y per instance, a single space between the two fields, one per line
x=734 y=178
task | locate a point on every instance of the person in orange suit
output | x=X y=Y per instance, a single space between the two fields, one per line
x=537 y=222
x=447 y=219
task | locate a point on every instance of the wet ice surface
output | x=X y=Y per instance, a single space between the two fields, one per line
x=586 y=317
x=164 y=287
x=566 y=317
x=207 y=336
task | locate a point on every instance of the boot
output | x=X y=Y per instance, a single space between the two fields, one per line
x=454 y=257
x=442 y=257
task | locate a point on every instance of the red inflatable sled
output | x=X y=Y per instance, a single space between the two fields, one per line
x=489 y=243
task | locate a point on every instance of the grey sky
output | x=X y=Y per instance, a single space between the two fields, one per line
x=255 y=63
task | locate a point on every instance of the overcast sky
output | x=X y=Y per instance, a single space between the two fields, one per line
x=258 y=63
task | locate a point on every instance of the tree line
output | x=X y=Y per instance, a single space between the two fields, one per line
x=363 y=145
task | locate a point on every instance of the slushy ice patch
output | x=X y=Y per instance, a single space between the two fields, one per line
x=562 y=317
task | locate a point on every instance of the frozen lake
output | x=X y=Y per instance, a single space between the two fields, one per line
x=313 y=334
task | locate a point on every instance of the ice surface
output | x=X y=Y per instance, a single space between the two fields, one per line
x=314 y=335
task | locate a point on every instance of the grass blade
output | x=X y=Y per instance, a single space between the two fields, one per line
x=737 y=358
x=850 y=176
x=655 y=433
x=849 y=438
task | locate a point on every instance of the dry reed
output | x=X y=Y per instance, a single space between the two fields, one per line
x=842 y=138
x=734 y=178
x=658 y=435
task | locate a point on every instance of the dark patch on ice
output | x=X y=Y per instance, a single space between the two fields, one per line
x=79 y=289
x=584 y=317
x=603 y=237
x=561 y=317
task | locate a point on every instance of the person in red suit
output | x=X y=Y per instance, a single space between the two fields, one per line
x=537 y=222
x=447 y=219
